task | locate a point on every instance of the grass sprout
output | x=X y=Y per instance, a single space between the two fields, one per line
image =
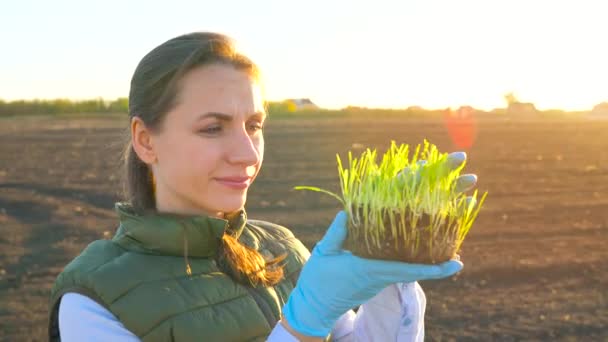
x=400 y=208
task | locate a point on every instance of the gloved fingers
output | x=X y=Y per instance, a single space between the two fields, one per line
x=465 y=182
x=408 y=169
x=331 y=243
x=455 y=159
x=451 y=267
x=394 y=271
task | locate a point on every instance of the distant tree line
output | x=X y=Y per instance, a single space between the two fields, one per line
x=121 y=105
x=63 y=106
x=99 y=105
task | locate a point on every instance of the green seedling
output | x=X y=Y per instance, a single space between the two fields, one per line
x=401 y=209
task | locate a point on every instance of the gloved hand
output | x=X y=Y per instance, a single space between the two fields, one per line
x=334 y=281
x=463 y=183
x=455 y=159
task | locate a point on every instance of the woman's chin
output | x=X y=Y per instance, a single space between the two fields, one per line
x=232 y=207
x=221 y=204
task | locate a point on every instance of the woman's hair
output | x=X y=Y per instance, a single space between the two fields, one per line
x=154 y=89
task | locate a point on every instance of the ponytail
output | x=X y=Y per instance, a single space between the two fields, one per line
x=248 y=266
x=139 y=185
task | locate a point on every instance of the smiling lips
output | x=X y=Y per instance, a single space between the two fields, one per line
x=235 y=182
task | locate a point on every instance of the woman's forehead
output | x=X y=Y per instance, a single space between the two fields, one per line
x=222 y=89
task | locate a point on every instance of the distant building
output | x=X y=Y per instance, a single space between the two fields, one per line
x=514 y=107
x=300 y=104
x=600 y=110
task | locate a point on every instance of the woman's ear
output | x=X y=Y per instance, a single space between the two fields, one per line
x=141 y=140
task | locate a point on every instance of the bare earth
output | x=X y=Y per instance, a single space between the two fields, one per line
x=533 y=261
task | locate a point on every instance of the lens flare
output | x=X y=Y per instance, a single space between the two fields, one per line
x=461 y=126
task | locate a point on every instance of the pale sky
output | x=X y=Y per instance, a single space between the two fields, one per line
x=380 y=53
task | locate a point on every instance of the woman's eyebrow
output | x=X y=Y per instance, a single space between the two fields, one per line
x=261 y=114
x=226 y=117
x=219 y=116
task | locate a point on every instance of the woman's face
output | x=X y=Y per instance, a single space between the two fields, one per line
x=210 y=146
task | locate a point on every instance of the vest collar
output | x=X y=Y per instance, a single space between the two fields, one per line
x=173 y=234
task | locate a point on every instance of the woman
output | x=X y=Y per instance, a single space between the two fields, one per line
x=186 y=264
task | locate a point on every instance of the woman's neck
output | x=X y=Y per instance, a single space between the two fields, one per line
x=184 y=209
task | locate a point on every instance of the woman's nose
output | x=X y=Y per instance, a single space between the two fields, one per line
x=245 y=148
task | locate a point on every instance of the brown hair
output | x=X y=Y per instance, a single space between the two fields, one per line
x=154 y=88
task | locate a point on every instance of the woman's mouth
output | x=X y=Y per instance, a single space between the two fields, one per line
x=238 y=183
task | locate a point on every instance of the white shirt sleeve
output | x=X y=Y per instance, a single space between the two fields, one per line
x=394 y=314
x=342 y=329
x=83 y=319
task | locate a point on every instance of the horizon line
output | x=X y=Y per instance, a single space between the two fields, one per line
x=351 y=106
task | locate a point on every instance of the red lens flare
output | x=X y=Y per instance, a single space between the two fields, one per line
x=462 y=126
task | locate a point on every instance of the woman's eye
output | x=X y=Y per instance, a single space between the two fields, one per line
x=256 y=126
x=212 y=129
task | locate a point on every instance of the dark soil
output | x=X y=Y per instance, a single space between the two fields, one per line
x=401 y=247
x=534 y=262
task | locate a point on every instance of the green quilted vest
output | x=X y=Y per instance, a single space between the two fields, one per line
x=140 y=276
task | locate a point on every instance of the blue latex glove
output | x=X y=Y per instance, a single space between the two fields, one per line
x=334 y=281
x=467 y=181
x=455 y=159
x=464 y=182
